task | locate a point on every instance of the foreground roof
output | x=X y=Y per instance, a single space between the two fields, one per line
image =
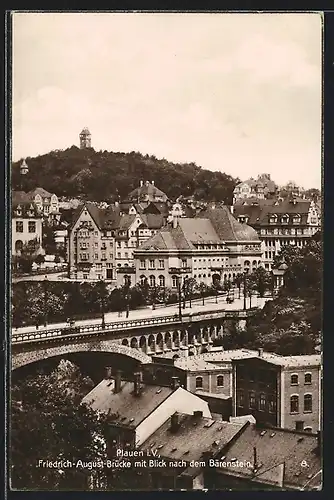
x=127 y=408
x=194 y=436
x=258 y=212
x=280 y=455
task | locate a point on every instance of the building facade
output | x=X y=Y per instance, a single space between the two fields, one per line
x=85 y=139
x=282 y=391
x=26 y=227
x=261 y=188
x=209 y=248
x=279 y=223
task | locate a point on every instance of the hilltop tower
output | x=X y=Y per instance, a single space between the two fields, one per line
x=24 y=168
x=85 y=138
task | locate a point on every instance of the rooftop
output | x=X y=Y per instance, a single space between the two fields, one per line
x=195 y=363
x=194 y=436
x=278 y=452
x=227 y=227
x=128 y=409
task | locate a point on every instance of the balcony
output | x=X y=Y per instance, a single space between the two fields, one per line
x=179 y=270
x=126 y=270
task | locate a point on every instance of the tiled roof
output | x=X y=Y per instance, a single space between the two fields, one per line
x=260 y=214
x=286 y=361
x=213 y=395
x=194 y=436
x=41 y=191
x=227 y=227
x=144 y=190
x=195 y=363
x=279 y=451
x=198 y=230
x=20 y=197
x=125 y=221
x=227 y=356
x=153 y=221
x=131 y=409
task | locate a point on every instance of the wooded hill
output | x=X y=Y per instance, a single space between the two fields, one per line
x=109 y=176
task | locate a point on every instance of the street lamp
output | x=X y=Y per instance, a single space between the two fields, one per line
x=45 y=282
x=245 y=289
x=103 y=323
x=179 y=296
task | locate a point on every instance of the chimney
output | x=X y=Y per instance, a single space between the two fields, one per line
x=198 y=413
x=175 y=383
x=108 y=372
x=254 y=459
x=152 y=182
x=174 y=422
x=260 y=352
x=118 y=382
x=137 y=384
x=141 y=183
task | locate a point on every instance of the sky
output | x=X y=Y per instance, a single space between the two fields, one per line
x=237 y=93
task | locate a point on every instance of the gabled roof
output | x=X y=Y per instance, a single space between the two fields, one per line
x=227 y=227
x=156 y=207
x=194 y=436
x=260 y=214
x=279 y=451
x=20 y=197
x=147 y=189
x=41 y=191
x=126 y=408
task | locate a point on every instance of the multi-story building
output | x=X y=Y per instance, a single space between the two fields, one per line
x=279 y=223
x=261 y=188
x=147 y=193
x=101 y=242
x=282 y=391
x=85 y=138
x=26 y=226
x=46 y=203
x=208 y=248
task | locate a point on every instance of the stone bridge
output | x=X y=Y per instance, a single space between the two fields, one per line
x=138 y=339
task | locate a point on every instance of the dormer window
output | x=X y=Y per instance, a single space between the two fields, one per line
x=285 y=219
x=296 y=219
x=273 y=219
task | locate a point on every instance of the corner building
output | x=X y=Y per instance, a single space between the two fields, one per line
x=209 y=248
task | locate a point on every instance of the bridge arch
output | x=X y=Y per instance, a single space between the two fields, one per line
x=27 y=357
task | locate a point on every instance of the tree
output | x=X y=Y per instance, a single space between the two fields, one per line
x=29 y=253
x=40 y=259
x=260 y=281
x=48 y=423
x=189 y=287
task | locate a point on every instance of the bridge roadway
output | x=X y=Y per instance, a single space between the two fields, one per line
x=147 y=334
x=137 y=318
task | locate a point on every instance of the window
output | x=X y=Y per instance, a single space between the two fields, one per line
x=240 y=398
x=161 y=264
x=184 y=263
x=294 y=404
x=174 y=281
x=262 y=402
x=152 y=280
x=272 y=405
x=299 y=425
x=96 y=256
x=151 y=264
x=308 y=378
x=103 y=255
x=162 y=281
x=119 y=255
x=32 y=226
x=19 y=226
x=126 y=255
x=142 y=264
x=199 y=382
x=110 y=256
x=294 y=379
x=252 y=400
x=307 y=403
x=220 y=381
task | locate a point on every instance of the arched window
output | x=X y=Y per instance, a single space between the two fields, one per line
x=246 y=265
x=18 y=246
x=220 y=381
x=294 y=379
x=142 y=279
x=308 y=429
x=199 y=382
x=262 y=402
x=161 y=280
x=308 y=378
x=174 y=281
x=308 y=403
x=152 y=280
x=294 y=404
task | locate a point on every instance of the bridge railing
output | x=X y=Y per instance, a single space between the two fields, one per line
x=71 y=331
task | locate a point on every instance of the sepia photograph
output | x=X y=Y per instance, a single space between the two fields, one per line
x=166 y=251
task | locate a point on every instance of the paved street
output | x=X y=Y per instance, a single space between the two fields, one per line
x=197 y=306
x=40 y=277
